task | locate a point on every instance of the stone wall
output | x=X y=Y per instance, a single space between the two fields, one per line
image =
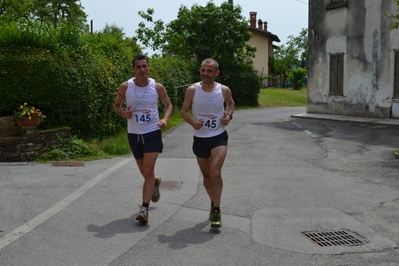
x=21 y=143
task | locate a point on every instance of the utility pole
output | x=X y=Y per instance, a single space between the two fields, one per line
x=230 y=1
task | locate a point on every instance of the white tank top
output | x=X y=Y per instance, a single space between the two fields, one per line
x=208 y=106
x=143 y=101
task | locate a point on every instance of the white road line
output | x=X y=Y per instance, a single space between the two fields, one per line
x=286 y=119
x=28 y=226
x=297 y=125
x=308 y=132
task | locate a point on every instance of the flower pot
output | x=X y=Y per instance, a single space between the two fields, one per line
x=25 y=122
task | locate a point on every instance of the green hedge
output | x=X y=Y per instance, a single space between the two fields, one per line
x=175 y=74
x=71 y=76
x=244 y=84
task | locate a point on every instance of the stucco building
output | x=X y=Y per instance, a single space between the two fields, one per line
x=263 y=40
x=353 y=58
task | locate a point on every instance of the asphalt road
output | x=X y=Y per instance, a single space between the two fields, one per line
x=284 y=176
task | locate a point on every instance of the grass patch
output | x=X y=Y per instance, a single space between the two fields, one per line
x=174 y=120
x=277 y=97
x=114 y=145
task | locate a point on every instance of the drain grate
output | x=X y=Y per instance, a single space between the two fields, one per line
x=335 y=238
x=168 y=185
x=68 y=163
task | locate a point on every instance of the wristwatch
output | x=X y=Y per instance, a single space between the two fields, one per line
x=231 y=116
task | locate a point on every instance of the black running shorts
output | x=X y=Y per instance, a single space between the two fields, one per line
x=145 y=143
x=202 y=146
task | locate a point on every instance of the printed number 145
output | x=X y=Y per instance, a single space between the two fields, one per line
x=143 y=118
x=210 y=124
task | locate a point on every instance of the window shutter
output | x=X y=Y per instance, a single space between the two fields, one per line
x=336 y=75
x=333 y=75
x=340 y=75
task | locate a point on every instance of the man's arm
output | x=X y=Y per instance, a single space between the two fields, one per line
x=120 y=96
x=229 y=104
x=163 y=95
x=188 y=100
x=229 y=101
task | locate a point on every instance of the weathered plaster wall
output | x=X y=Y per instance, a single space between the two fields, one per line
x=360 y=31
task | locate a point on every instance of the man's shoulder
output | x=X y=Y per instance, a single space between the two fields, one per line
x=190 y=91
x=159 y=85
x=221 y=85
x=124 y=84
x=224 y=87
x=193 y=86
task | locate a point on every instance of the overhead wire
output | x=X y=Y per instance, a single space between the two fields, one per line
x=303 y=2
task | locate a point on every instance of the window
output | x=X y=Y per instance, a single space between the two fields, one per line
x=396 y=76
x=333 y=4
x=336 y=75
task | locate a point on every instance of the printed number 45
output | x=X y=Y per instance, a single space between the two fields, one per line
x=210 y=124
x=143 y=118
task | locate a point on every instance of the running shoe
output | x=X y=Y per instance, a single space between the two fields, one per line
x=143 y=215
x=157 y=195
x=216 y=221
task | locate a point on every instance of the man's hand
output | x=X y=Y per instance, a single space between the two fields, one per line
x=197 y=124
x=128 y=113
x=225 y=120
x=163 y=123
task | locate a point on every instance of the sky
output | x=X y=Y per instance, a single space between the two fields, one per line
x=284 y=17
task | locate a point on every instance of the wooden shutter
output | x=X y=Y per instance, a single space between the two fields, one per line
x=333 y=75
x=336 y=75
x=340 y=75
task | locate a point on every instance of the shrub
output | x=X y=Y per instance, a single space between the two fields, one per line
x=297 y=77
x=70 y=148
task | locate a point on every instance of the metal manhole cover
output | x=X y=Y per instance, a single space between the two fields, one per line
x=168 y=185
x=335 y=238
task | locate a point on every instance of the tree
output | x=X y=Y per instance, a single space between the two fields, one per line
x=395 y=24
x=43 y=11
x=220 y=32
x=11 y=10
x=200 y=32
x=293 y=54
